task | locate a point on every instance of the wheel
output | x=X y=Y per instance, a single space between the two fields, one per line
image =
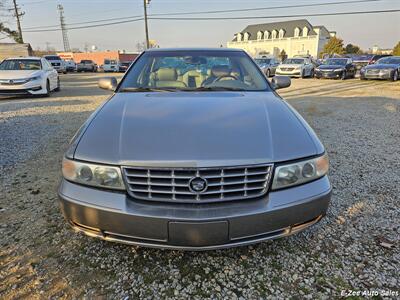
x=344 y=75
x=395 y=75
x=268 y=73
x=47 y=94
x=312 y=73
x=303 y=74
x=57 y=89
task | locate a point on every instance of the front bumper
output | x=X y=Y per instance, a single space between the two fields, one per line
x=328 y=74
x=294 y=73
x=377 y=75
x=29 y=88
x=114 y=216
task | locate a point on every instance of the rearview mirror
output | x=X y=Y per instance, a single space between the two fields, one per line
x=108 y=83
x=280 y=82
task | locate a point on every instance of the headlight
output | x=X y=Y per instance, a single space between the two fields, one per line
x=298 y=67
x=386 y=70
x=300 y=172
x=34 y=78
x=317 y=69
x=339 y=70
x=92 y=174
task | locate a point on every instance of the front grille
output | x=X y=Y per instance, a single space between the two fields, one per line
x=373 y=71
x=55 y=64
x=287 y=69
x=172 y=184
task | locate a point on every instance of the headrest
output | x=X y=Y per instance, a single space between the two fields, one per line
x=167 y=74
x=220 y=70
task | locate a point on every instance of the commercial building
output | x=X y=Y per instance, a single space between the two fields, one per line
x=14 y=50
x=99 y=57
x=297 y=37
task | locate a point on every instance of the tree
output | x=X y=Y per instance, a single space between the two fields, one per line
x=283 y=55
x=10 y=33
x=333 y=46
x=352 y=49
x=396 y=49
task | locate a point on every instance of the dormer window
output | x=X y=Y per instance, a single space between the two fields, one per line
x=274 y=34
x=305 y=31
x=259 y=35
x=297 y=32
x=266 y=35
x=281 y=33
x=239 y=37
x=246 y=36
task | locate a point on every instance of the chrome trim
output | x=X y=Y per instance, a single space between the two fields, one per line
x=126 y=239
x=172 y=184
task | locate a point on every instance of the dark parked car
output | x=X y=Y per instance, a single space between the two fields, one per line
x=123 y=66
x=384 y=68
x=267 y=65
x=336 y=68
x=376 y=57
x=362 y=60
x=212 y=158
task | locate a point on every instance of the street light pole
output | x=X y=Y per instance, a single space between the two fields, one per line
x=145 y=3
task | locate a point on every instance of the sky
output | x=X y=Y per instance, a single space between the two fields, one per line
x=363 y=30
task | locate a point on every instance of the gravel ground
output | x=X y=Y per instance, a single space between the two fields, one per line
x=355 y=248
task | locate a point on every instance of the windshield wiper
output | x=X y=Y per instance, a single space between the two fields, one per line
x=214 y=88
x=146 y=89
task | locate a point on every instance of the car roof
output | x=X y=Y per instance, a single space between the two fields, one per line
x=25 y=57
x=194 y=49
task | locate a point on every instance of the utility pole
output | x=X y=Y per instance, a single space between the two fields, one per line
x=145 y=3
x=63 y=28
x=18 y=14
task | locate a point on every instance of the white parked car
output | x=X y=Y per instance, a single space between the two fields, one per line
x=110 y=65
x=28 y=76
x=296 y=67
x=57 y=62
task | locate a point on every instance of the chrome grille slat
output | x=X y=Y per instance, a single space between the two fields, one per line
x=172 y=184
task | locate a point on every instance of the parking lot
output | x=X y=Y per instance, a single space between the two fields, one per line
x=355 y=248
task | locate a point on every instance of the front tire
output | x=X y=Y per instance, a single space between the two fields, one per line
x=344 y=75
x=312 y=73
x=395 y=75
x=268 y=73
x=57 y=89
x=47 y=93
x=303 y=74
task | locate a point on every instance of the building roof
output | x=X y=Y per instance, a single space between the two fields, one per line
x=192 y=49
x=288 y=26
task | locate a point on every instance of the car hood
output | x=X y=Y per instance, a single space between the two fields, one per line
x=381 y=66
x=330 y=67
x=196 y=129
x=289 y=65
x=18 y=74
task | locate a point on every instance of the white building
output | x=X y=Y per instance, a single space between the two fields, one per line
x=296 y=37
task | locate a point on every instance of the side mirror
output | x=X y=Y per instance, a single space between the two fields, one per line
x=108 y=83
x=280 y=82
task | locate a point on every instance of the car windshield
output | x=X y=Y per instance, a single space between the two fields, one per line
x=335 y=61
x=21 y=64
x=86 y=61
x=294 y=61
x=389 y=60
x=53 y=57
x=262 y=61
x=194 y=70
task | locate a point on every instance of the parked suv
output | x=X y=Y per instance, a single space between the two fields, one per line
x=86 y=65
x=110 y=65
x=194 y=150
x=57 y=63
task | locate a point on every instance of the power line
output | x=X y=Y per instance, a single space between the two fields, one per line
x=274 y=17
x=210 y=12
x=226 y=18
